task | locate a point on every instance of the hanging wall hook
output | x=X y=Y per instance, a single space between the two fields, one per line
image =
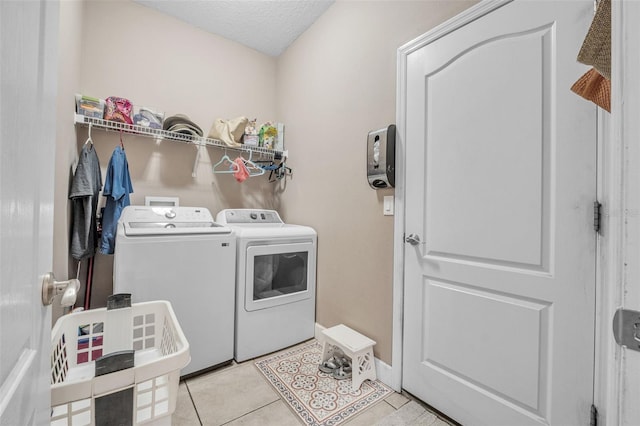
x=89 y=140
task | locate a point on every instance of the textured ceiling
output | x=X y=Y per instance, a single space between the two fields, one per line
x=268 y=26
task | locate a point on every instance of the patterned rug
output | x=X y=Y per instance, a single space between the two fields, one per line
x=316 y=397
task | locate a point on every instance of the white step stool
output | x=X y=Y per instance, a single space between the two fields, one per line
x=354 y=345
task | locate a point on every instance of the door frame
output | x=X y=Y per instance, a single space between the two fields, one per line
x=618 y=176
x=613 y=248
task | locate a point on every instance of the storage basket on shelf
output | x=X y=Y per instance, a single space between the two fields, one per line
x=117 y=363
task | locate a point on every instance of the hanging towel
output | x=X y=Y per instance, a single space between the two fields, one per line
x=595 y=84
x=85 y=190
x=596 y=48
x=117 y=187
x=595 y=88
x=241 y=173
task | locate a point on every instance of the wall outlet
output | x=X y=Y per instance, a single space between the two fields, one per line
x=387 y=207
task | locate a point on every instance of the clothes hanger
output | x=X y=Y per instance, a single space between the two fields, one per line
x=232 y=167
x=253 y=168
x=121 y=143
x=89 y=140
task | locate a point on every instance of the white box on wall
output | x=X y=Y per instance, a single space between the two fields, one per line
x=154 y=201
x=279 y=144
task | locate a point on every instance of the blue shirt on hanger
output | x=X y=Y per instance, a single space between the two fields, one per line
x=117 y=187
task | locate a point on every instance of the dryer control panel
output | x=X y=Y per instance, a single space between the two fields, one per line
x=248 y=216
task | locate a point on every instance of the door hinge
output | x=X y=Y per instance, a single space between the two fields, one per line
x=626 y=328
x=597 y=216
x=594 y=416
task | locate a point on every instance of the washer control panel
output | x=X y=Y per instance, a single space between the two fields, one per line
x=146 y=220
x=177 y=214
x=248 y=216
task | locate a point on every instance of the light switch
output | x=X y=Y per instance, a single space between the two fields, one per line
x=387 y=208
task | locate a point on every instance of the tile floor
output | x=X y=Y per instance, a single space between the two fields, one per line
x=239 y=394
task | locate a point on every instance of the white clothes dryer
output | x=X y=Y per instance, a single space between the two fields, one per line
x=275 y=281
x=181 y=255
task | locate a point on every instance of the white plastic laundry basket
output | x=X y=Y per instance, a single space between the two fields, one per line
x=78 y=339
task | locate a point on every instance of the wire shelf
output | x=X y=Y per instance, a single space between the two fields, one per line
x=173 y=136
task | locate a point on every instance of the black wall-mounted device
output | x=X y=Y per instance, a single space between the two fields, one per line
x=381 y=157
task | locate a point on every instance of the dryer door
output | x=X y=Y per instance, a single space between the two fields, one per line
x=279 y=274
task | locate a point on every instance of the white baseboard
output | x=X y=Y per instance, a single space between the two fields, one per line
x=318 y=333
x=384 y=373
x=383 y=370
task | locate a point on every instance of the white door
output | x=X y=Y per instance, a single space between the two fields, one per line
x=28 y=42
x=500 y=184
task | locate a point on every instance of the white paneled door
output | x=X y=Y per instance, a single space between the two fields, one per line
x=500 y=185
x=28 y=78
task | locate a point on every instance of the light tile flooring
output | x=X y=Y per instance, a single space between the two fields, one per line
x=239 y=394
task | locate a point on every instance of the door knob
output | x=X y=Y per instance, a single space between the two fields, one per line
x=413 y=239
x=51 y=288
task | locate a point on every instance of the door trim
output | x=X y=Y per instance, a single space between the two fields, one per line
x=617 y=177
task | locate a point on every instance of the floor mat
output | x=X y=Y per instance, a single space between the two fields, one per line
x=316 y=397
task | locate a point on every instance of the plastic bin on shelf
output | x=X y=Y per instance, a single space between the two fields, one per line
x=148 y=333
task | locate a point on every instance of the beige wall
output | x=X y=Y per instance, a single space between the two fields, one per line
x=331 y=87
x=157 y=61
x=335 y=84
x=160 y=62
x=70 y=43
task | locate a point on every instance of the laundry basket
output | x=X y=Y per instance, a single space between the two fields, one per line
x=117 y=364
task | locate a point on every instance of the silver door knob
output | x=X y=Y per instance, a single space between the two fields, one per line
x=413 y=239
x=51 y=288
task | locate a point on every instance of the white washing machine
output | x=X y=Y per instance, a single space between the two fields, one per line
x=275 y=281
x=181 y=255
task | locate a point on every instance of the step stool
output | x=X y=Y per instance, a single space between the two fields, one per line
x=354 y=345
